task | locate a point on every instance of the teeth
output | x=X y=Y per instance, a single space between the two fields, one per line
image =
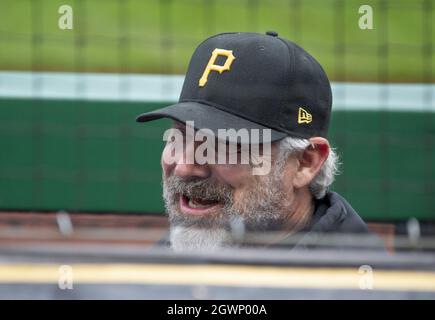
x=194 y=204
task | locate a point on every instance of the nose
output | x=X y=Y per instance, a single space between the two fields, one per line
x=185 y=170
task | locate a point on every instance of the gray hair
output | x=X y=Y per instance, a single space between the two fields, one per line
x=325 y=177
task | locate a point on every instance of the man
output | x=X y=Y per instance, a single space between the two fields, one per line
x=261 y=83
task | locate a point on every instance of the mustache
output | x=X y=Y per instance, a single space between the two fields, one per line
x=206 y=189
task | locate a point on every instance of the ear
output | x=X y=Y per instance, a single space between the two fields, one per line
x=310 y=161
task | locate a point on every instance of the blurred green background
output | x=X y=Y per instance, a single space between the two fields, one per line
x=91 y=155
x=150 y=36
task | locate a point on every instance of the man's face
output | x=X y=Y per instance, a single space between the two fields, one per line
x=205 y=202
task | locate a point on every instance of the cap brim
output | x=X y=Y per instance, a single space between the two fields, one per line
x=205 y=116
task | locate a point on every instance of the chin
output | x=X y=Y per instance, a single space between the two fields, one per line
x=188 y=239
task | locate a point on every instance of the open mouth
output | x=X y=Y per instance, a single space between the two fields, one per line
x=198 y=206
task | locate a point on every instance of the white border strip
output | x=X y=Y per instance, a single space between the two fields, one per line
x=90 y=86
x=166 y=88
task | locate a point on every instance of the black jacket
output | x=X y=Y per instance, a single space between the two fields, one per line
x=335 y=224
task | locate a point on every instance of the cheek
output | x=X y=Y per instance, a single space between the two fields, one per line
x=237 y=176
x=288 y=175
x=166 y=163
x=245 y=191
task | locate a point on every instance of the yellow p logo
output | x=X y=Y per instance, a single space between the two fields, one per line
x=211 y=66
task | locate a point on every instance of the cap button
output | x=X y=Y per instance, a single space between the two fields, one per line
x=272 y=33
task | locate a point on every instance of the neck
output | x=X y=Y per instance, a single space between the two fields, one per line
x=302 y=210
x=299 y=217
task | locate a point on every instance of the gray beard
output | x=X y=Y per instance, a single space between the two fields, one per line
x=185 y=239
x=263 y=208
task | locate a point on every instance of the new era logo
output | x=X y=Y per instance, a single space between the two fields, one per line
x=304 y=116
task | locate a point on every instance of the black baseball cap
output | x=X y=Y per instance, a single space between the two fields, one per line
x=253 y=81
